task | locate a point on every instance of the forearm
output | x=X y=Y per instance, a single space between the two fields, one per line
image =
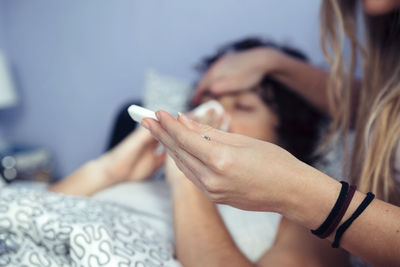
x=133 y=159
x=201 y=238
x=305 y=79
x=308 y=81
x=86 y=181
x=295 y=246
x=374 y=236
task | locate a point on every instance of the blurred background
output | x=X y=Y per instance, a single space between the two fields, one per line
x=67 y=67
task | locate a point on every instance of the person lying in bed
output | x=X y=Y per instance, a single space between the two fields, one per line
x=270 y=112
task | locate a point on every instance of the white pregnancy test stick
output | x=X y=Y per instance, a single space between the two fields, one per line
x=138 y=113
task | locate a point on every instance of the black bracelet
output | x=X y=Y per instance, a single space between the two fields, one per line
x=340 y=231
x=334 y=211
x=341 y=213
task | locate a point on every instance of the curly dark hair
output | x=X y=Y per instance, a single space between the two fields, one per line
x=300 y=123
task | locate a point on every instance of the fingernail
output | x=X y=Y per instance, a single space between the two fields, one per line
x=145 y=125
x=158 y=115
x=184 y=117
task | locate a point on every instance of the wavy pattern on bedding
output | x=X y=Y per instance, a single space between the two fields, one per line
x=45 y=229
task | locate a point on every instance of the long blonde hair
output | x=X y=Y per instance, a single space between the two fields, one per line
x=374 y=109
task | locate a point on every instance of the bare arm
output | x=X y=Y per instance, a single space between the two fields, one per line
x=308 y=81
x=200 y=231
x=134 y=159
x=86 y=181
x=255 y=175
x=200 y=234
x=245 y=70
x=201 y=238
x=296 y=246
x=374 y=236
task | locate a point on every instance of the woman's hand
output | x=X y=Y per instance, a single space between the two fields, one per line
x=254 y=175
x=174 y=177
x=238 y=71
x=229 y=168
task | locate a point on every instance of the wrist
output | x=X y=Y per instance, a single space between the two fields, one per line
x=99 y=169
x=86 y=181
x=182 y=187
x=310 y=196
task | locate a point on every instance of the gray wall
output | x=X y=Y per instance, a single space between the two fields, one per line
x=76 y=61
x=2 y=34
x=2 y=37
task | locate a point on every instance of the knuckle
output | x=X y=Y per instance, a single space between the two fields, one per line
x=211 y=185
x=220 y=164
x=211 y=158
x=222 y=161
x=216 y=198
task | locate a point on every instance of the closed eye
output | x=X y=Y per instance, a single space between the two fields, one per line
x=244 y=107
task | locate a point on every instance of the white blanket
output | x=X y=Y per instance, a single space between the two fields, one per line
x=253 y=232
x=45 y=229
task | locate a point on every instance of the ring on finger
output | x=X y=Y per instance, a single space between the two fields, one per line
x=206 y=137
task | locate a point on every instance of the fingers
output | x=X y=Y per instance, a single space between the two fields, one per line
x=202 y=149
x=189 y=136
x=187 y=172
x=216 y=136
x=190 y=160
x=192 y=168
